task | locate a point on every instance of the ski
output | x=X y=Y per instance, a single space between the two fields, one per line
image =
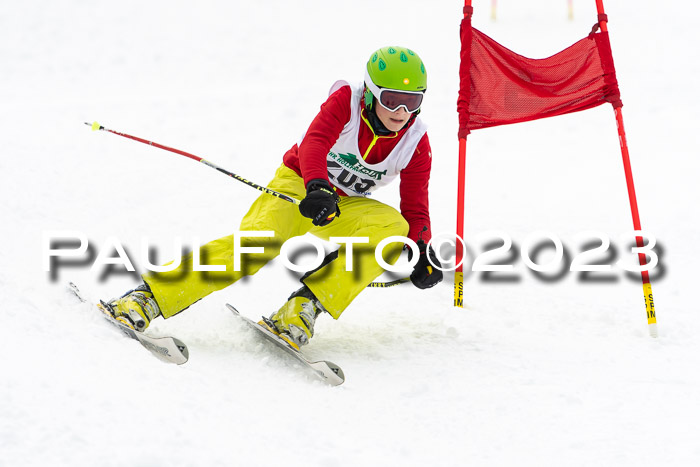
x=328 y=372
x=167 y=349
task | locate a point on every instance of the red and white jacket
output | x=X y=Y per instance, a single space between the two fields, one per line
x=310 y=159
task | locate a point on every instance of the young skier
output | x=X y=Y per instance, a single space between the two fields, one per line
x=362 y=139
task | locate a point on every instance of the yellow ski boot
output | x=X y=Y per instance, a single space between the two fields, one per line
x=136 y=308
x=294 y=322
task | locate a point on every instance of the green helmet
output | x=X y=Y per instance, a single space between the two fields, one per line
x=395 y=68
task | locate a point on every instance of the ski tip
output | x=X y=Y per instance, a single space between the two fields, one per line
x=184 y=351
x=338 y=372
x=71 y=287
x=94 y=125
x=329 y=372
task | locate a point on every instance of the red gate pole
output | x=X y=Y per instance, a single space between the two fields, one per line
x=461 y=179
x=459 y=256
x=646 y=284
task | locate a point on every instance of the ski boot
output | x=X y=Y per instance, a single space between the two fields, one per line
x=136 y=308
x=294 y=322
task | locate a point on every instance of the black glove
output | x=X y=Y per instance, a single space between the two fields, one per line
x=321 y=202
x=424 y=274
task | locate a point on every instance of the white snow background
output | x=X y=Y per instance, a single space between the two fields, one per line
x=528 y=373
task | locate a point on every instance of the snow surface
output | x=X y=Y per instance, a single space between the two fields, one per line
x=529 y=373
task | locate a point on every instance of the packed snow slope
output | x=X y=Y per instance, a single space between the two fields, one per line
x=531 y=372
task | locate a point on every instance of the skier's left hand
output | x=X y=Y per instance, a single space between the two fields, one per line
x=424 y=274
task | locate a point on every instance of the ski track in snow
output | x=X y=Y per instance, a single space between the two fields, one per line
x=529 y=373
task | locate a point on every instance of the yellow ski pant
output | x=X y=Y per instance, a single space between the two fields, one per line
x=333 y=285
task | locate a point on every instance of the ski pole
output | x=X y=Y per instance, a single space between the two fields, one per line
x=96 y=126
x=390 y=283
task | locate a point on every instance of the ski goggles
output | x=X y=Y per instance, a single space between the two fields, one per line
x=393 y=100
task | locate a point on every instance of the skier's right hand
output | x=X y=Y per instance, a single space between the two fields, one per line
x=321 y=202
x=424 y=274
